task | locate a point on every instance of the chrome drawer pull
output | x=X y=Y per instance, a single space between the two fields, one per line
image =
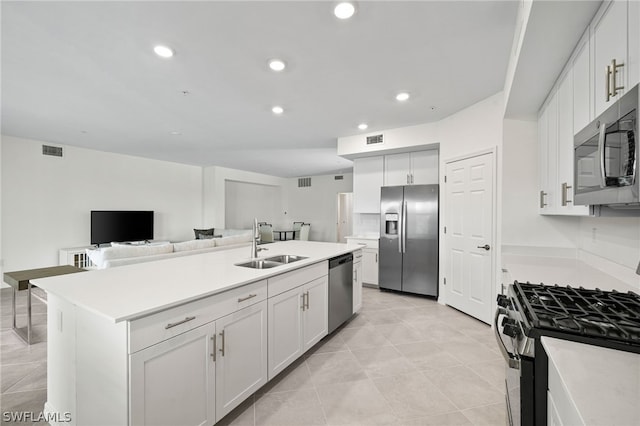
x=171 y=325
x=242 y=299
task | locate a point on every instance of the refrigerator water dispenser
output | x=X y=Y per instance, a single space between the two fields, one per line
x=391 y=223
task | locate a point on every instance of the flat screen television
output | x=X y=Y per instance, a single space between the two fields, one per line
x=111 y=225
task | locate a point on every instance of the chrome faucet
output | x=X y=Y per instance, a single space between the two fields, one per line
x=254 y=241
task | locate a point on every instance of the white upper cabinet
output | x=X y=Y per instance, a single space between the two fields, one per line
x=419 y=167
x=368 y=177
x=563 y=190
x=610 y=59
x=548 y=142
x=634 y=43
x=397 y=169
x=582 y=104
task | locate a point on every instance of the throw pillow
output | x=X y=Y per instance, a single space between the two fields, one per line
x=199 y=232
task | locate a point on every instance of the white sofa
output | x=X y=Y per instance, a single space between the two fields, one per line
x=121 y=254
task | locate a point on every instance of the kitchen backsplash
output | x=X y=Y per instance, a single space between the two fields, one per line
x=366 y=223
x=615 y=239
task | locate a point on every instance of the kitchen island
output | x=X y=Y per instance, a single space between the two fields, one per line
x=181 y=340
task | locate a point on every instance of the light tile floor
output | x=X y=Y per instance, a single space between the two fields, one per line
x=403 y=360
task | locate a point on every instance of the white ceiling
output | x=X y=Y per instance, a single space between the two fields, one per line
x=84 y=74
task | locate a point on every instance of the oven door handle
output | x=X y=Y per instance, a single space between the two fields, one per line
x=512 y=360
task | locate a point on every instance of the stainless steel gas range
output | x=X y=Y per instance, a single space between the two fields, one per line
x=529 y=311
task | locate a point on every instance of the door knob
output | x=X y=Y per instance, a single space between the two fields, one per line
x=486 y=247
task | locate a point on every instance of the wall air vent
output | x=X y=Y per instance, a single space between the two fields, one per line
x=304 y=182
x=340 y=177
x=374 y=139
x=55 y=151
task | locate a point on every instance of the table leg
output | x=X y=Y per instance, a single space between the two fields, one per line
x=13 y=306
x=29 y=312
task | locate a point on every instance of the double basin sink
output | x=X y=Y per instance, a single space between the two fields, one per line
x=271 y=262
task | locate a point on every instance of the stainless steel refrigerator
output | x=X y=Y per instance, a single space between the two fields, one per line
x=409 y=239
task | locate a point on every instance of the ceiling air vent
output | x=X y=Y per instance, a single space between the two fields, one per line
x=304 y=182
x=55 y=151
x=340 y=177
x=374 y=139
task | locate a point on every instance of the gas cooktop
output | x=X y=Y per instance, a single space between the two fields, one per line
x=605 y=318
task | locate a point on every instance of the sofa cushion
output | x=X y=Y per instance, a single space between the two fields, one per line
x=235 y=239
x=232 y=232
x=99 y=256
x=194 y=245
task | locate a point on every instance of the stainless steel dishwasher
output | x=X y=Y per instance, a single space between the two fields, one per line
x=340 y=290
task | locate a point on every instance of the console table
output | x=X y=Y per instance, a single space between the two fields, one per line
x=21 y=280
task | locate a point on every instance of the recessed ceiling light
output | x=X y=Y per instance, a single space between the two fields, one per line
x=163 y=51
x=175 y=133
x=344 y=10
x=277 y=64
x=363 y=126
x=277 y=110
x=402 y=96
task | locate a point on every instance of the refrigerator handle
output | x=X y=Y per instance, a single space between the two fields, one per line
x=400 y=225
x=404 y=227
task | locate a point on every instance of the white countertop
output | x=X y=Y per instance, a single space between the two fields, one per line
x=602 y=384
x=363 y=237
x=127 y=292
x=562 y=271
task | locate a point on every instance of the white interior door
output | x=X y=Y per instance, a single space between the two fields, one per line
x=345 y=212
x=469 y=235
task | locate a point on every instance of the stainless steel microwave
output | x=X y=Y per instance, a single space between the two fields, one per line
x=606 y=156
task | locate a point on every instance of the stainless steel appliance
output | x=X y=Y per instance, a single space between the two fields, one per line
x=408 y=248
x=340 y=290
x=606 y=156
x=529 y=311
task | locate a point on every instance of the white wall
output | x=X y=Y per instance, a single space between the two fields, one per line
x=317 y=204
x=246 y=201
x=471 y=130
x=214 y=191
x=521 y=223
x=46 y=201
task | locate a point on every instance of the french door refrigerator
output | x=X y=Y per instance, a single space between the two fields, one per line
x=408 y=248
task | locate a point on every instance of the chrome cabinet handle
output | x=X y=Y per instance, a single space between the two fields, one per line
x=355 y=275
x=565 y=195
x=614 y=72
x=542 y=203
x=408 y=180
x=242 y=299
x=213 y=354
x=307 y=295
x=222 y=346
x=171 y=325
x=607 y=73
x=303 y=304
x=486 y=247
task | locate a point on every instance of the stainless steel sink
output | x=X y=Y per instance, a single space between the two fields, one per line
x=285 y=258
x=259 y=264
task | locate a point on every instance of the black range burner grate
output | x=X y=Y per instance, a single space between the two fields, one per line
x=591 y=313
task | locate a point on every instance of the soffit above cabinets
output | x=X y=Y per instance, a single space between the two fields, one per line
x=550 y=34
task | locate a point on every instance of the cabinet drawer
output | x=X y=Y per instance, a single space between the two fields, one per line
x=357 y=256
x=154 y=328
x=289 y=280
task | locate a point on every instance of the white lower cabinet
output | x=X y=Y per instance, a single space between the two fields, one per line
x=298 y=319
x=241 y=358
x=198 y=377
x=370 y=266
x=173 y=382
